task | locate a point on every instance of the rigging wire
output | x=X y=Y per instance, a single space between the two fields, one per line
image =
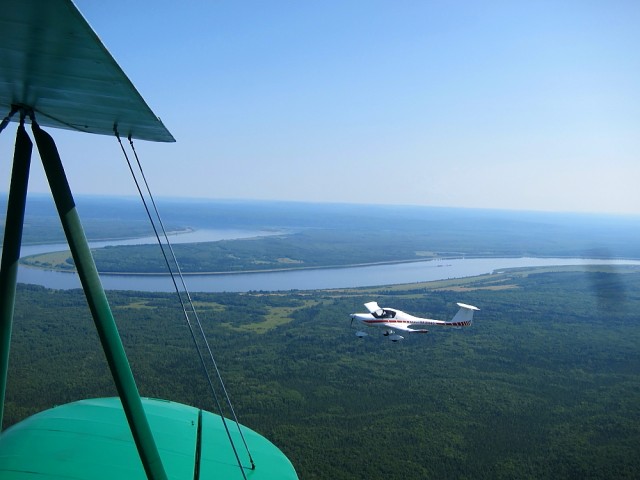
x=182 y=302
x=184 y=309
x=190 y=301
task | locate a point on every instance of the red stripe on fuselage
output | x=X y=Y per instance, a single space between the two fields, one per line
x=405 y=322
x=389 y=321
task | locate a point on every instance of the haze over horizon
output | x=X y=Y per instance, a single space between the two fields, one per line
x=499 y=105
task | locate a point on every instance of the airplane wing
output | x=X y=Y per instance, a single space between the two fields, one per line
x=53 y=62
x=404 y=327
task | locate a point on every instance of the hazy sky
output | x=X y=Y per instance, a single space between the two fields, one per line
x=520 y=105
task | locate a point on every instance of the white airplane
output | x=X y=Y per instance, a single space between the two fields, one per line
x=392 y=319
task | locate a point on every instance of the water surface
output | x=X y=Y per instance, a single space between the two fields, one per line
x=311 y=279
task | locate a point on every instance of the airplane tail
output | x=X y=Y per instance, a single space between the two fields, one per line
x=464 y=317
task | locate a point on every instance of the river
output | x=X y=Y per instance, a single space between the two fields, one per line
x=310 y=279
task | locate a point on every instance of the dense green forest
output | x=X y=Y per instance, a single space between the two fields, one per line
x=545 y=384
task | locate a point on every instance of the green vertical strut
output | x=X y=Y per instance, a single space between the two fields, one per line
x=11 y=251
x=99 y=306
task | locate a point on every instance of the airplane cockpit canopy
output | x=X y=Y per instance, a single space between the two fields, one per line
x=384 y=313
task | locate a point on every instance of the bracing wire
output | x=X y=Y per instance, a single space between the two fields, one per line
x=190 y=301
x=182 y=302
x=184 y=309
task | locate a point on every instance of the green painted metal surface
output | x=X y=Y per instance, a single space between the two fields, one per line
x=52 y=61
x=98 y=304
x=11 y=251
x=90 y=439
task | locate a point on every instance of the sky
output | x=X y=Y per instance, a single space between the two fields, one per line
x=526 y=105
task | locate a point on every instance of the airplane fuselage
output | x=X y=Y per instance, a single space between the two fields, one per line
x=394 y=317
x=391 y=319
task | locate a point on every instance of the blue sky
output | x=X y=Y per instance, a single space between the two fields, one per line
x=519 y=105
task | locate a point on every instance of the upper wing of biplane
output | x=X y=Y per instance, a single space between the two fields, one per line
x=53 y=63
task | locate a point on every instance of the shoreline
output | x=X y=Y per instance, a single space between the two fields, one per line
x=322 y=267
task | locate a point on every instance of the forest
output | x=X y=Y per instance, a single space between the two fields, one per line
x=544 y=384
